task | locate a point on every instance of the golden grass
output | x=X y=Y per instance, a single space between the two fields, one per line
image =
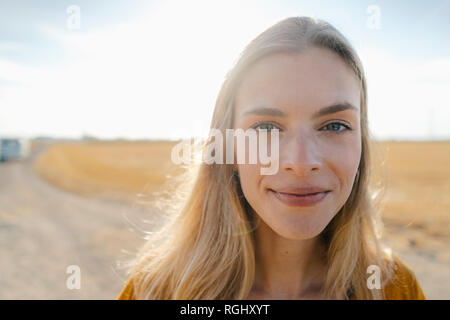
x=417 y=176
x=417 y=185
x=112 y=169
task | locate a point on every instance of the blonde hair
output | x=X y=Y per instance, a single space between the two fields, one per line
x=206 y=249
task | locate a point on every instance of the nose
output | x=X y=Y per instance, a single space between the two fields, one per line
x=300 y=155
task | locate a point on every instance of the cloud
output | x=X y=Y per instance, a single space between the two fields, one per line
x=157 y=76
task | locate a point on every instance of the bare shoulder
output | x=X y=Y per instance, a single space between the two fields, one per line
x=403 y=284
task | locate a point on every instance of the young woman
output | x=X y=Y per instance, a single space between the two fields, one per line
x=309 y=231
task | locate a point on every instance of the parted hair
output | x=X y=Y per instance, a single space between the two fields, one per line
x=206 y=248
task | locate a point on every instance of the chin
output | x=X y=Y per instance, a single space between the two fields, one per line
x=298 y=231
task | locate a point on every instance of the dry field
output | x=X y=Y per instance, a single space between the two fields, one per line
x=118 y=170
x=415 y=198
x=415 y=176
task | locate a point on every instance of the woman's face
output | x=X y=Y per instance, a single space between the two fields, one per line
x=313 y=99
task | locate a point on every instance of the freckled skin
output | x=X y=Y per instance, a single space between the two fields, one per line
x=300 y=84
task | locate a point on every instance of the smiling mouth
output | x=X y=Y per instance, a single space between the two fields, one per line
x=300 y=200
x=298 y=194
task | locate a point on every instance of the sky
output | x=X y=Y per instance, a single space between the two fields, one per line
x=153 y=69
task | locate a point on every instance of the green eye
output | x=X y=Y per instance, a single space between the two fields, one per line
x=265 y=126
x=336 y=127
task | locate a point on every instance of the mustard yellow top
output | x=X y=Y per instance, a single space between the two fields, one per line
x=403 y=286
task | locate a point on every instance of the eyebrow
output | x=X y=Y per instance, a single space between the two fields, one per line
x=269 y=111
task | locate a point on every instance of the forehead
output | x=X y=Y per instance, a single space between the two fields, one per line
x=311 y=79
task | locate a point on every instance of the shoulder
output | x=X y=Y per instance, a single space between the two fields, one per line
x=403 y=284
x=127 y=292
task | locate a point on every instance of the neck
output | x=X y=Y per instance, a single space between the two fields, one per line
x=286 y=268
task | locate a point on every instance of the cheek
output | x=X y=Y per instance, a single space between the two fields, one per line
x=250 y=180
x=343 y=160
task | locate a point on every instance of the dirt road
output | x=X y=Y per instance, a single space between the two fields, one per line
x=43 y=230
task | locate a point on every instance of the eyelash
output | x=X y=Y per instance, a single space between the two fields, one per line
x=347 y=128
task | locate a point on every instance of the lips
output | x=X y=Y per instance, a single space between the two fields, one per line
x=300 y=196
x=301 y=191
